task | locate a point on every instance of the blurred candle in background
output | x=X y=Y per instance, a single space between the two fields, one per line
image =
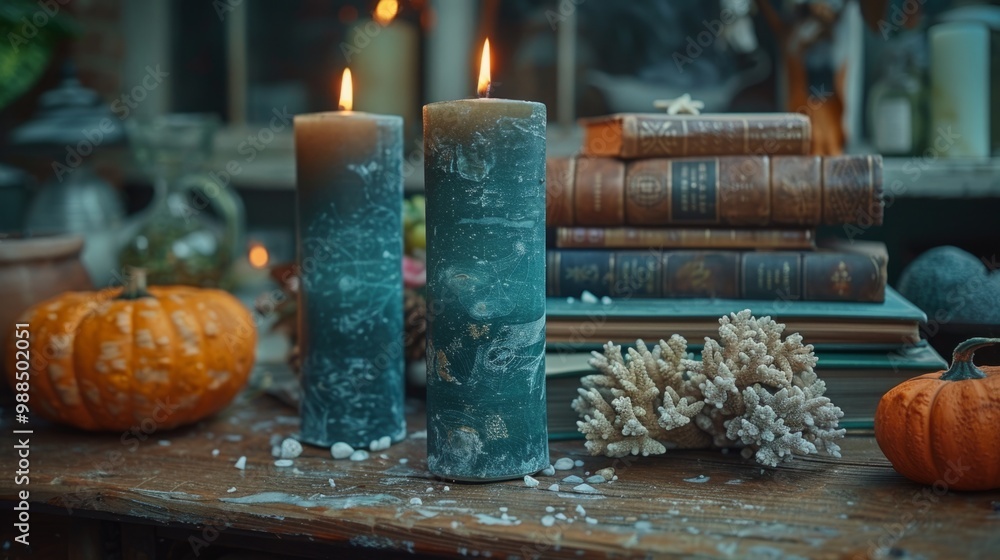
x=383 y=53
x=960 y=90
x=349 y=204
x=484 y=172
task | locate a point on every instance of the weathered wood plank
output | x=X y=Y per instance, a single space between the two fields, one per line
x=688 y=504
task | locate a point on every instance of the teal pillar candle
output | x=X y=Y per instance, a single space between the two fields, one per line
x=349 y=234
x=484 y=174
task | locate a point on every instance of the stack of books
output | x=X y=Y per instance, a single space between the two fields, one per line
x=664 y=223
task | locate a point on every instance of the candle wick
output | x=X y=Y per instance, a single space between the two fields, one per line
x=486 y=91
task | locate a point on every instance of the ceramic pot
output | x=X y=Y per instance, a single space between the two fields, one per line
x=33 y=270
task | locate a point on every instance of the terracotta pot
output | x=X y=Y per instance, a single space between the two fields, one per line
x=36 y=269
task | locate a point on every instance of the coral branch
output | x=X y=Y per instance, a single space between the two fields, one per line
x=752 y=389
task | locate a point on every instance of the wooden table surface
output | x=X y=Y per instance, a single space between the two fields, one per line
x=701 y=504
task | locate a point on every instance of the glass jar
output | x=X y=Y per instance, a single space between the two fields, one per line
x=896 y=109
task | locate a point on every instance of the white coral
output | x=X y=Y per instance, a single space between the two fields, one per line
x=752 y=389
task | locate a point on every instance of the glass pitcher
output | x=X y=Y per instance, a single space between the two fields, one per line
x=190 y=234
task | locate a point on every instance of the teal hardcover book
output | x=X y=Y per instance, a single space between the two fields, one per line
x=827 y=325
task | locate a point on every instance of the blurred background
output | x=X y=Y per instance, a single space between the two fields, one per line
x=159 y=132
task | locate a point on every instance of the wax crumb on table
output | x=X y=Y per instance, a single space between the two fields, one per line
x=359 y=455
x=276 y=451
x=290 y=449
x=585 y=489
x=341 y=450
x=530 y=482
x=383 y=456
x=241 y=463
x=596 y=479
x=380 y=444
x=215 y=453
x=503 y=509
x=587 y=297
x=700 y=479
x=548 y=471
x=416 y=502
x=404 y=461
x=607 y=472
x=572 y=479
x=561 y=516
x=591 y=521
x=578 y=463
x=284 y=463
x=563 y=464
x=554 y=488
x=549 y=509
x=606 y=300
x=447 y=488
x=164 y=442
x=548 y=521
x=231 y=490
x=429 y=489
x=333 y=483
x=580 y=510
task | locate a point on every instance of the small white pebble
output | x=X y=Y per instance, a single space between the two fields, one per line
x=503 y=509
x=429 y=489
x=383 y=456
x=404 y=461
x=563 y=464
x=549 y=471
x=554 y=488
x=591 y=521
x=241 y=463
x=530 y=482
x=164 y=442
x=587 y=297
x=549 y=509
x=572 y=479
x=580 y=510
x=333 y=483
x=614 y=477
x=385 y=442
x=290 y=448
x=596 y=479
x=359 y=455
x=416 y=502
x=585 y=489
x=275 y=451
x=643 y=526
x=700 y=479
x=504 y=516
x=231 y=490
x=215 y=453
x=548 y=521
x=561 y=516
x=586 y=473
x=447 y=488
x=571 y=300
x=373 y=446
x=284 y=463
x=606 y=300
x=341 y=450
x=578 y=463
x=607 y=472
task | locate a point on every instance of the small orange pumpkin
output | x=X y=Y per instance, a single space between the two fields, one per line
x=116 y=359
x=941 y=428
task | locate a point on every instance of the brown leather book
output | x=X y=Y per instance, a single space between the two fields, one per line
x=647 y=135
x=683 y=238
x=754 y=191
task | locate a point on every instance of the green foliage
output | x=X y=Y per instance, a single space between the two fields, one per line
x=28 y=36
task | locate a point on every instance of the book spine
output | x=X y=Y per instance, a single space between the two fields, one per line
x=741 y=191
x=683 y=238
x=655 y=136
x=782 y=275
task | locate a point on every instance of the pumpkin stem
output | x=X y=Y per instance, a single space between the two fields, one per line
x=961 y=362
x=136 y=286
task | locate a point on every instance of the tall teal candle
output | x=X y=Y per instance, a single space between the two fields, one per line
x=485 y=187
x=350 y=188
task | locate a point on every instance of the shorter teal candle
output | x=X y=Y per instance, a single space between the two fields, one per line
x=485 y=188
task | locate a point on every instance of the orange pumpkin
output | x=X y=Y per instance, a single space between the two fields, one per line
x=117 y=359
x=941 y=428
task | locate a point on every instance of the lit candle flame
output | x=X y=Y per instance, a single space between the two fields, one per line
x=258 y=256
x=346 y=91
x=484 y=71
x=385 y=11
